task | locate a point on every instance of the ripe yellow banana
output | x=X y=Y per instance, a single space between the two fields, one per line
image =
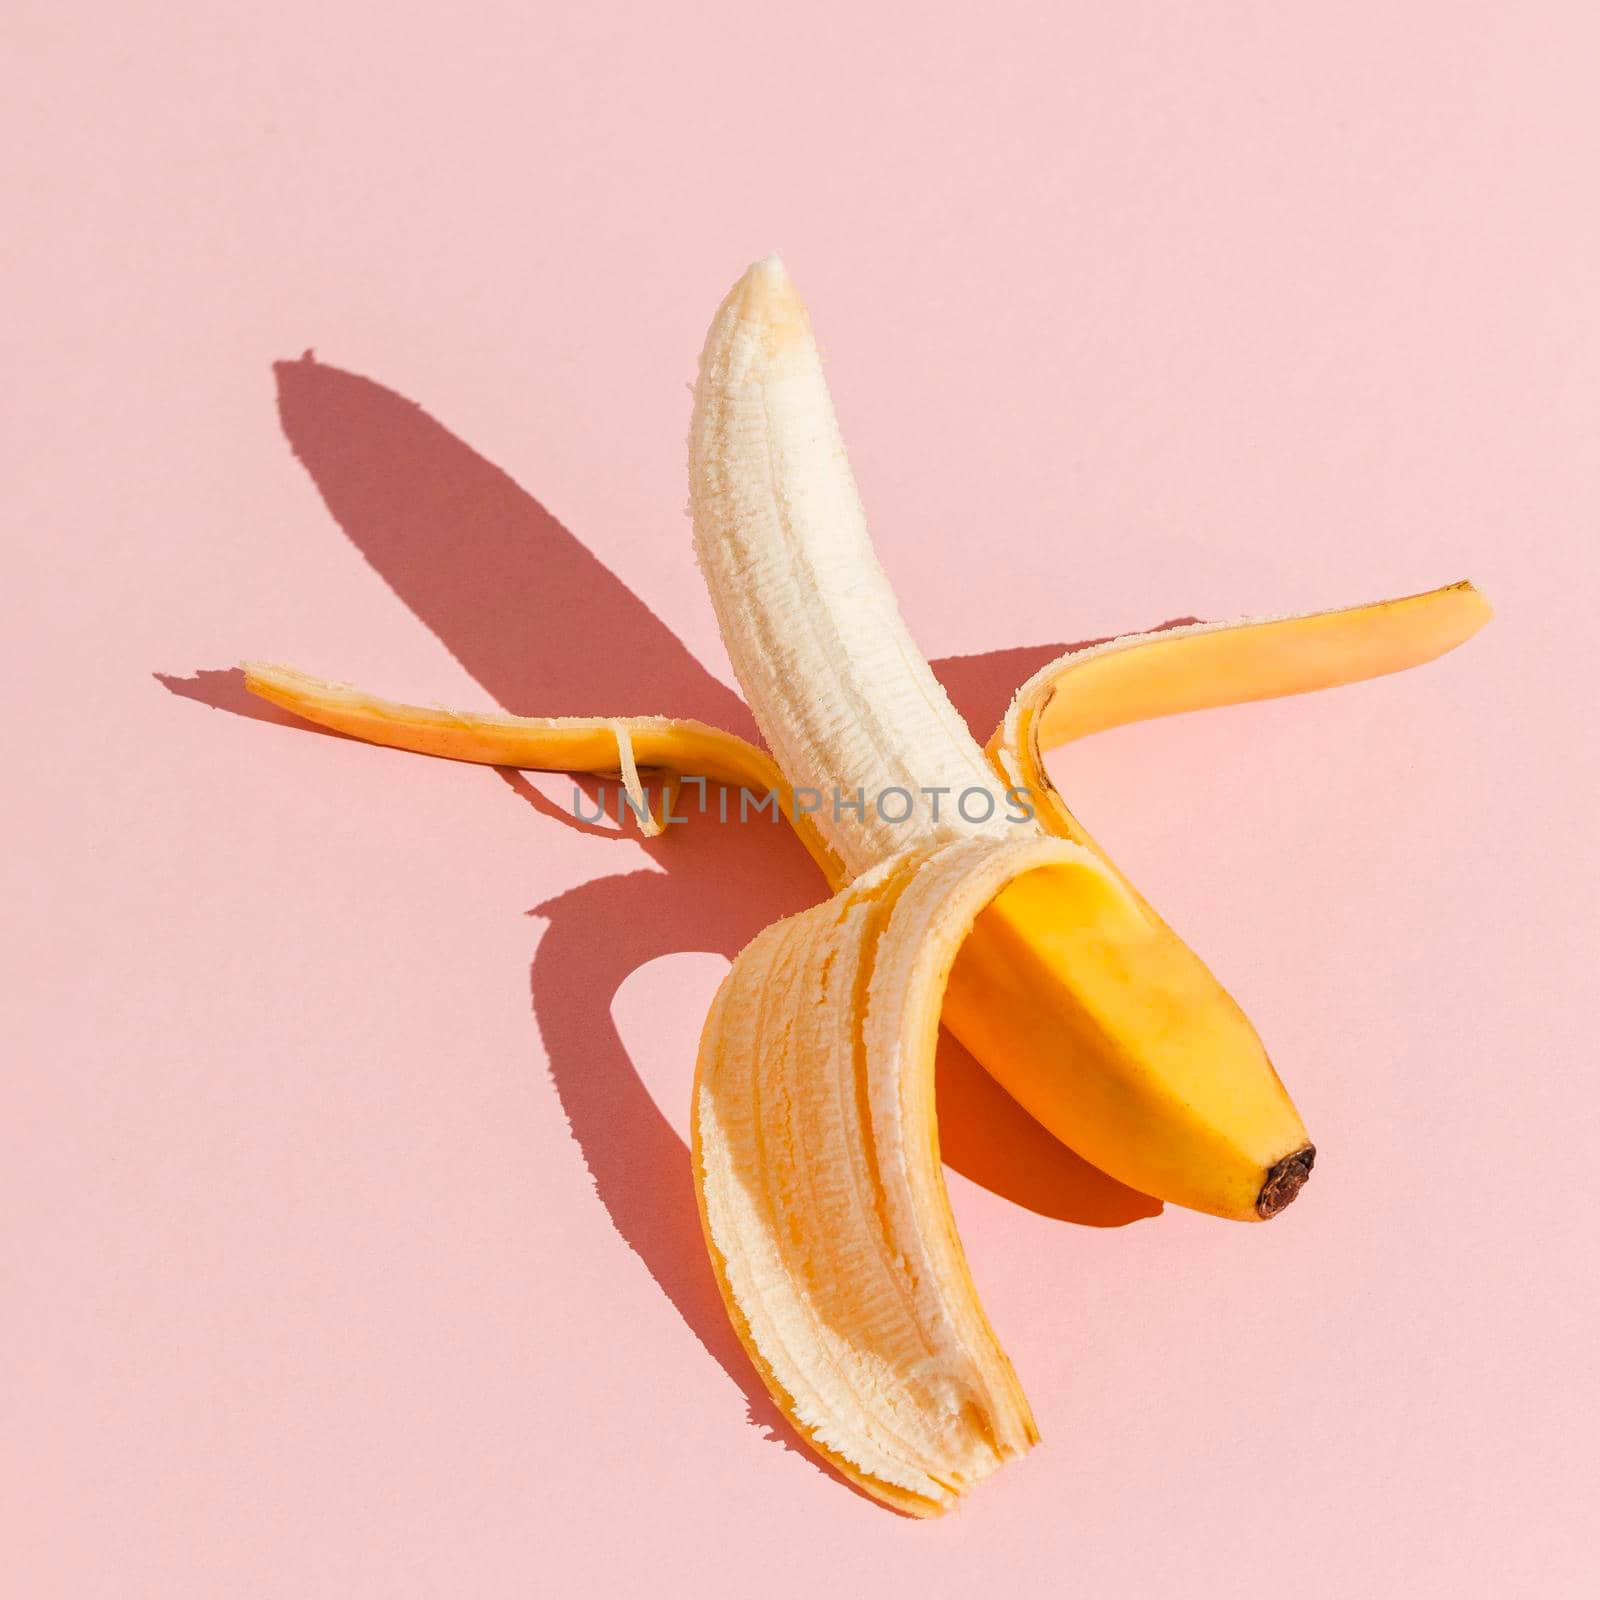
x=964 y=890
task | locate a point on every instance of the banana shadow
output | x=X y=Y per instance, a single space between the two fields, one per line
x=519 y=602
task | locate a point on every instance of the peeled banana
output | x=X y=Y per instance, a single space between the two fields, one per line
x=972 y=896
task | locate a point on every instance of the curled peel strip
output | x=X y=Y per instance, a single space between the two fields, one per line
x=817 y=1160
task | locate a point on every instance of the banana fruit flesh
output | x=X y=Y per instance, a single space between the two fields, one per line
x=815 y=1143
x=838 y=687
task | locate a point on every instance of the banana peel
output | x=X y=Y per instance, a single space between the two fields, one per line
x=816 y=1147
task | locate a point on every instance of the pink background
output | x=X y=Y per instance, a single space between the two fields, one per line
x=341 y=1257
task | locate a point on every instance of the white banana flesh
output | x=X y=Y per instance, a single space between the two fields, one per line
x=842 y=694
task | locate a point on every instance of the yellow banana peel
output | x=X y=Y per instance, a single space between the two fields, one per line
x=816 y=1148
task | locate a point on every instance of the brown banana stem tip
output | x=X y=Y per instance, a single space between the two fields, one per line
x=1285 y=1181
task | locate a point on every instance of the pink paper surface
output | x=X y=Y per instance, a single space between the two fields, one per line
x=348 y=1241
